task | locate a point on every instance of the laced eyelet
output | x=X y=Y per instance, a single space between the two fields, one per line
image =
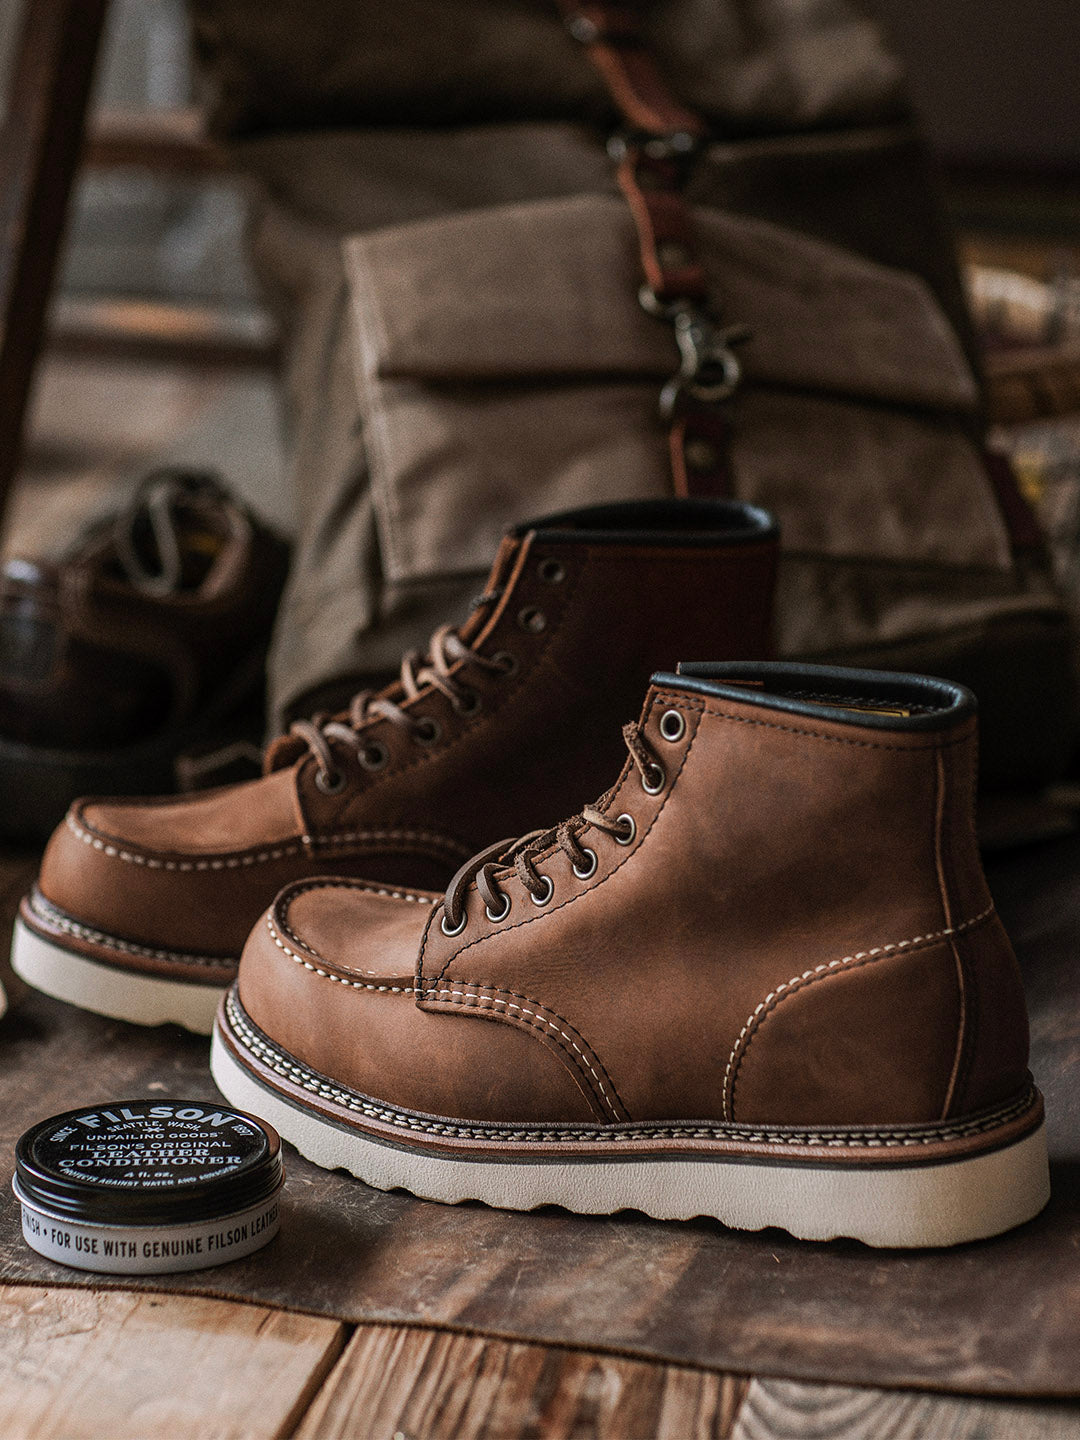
x=452 y=930
x=552 y=571
x=466 y=702
x=628 y=837
x=549 y=890
x=531 y=620
x=496 y=915
x=507 y=663
x=374 y=755
x=672 y=725
x=588 y=870
x=428 y=731
x=652 y=781
x=330 y=782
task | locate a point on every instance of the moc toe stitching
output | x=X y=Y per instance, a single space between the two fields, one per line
x=115 y=848
x=828 y=968
x=327 y=974
x=277 y=920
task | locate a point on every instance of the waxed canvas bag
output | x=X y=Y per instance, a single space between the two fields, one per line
x=503 y=354
x=482 y=274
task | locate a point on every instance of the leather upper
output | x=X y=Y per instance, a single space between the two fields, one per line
x=798 y=932
x=576 y=620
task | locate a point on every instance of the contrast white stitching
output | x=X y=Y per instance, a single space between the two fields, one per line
x=830 y=965
x=262 y=857
x=294 y=1070
x=51 y=916
x=460 y=996
x=337 y=979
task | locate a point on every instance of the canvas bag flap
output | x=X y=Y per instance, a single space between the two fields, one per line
x=505 y=368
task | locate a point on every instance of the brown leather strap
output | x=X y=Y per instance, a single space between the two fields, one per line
x=661 y=140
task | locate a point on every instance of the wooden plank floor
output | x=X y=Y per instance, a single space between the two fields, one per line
x=78 y=1364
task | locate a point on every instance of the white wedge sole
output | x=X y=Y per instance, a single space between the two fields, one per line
x=898 y=1204
x=120 y=994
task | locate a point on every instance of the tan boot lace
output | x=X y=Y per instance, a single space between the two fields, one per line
x=419 y=674
x=518 y=856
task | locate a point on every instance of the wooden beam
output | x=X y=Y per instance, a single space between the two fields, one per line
x=162 y=140
x=40 y=144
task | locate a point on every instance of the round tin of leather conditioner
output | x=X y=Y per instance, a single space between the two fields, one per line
x=144 y=1187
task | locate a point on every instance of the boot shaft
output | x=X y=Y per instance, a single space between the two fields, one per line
x=580 y=609
x=799 y=895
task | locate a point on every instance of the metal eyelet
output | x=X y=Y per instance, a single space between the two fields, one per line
x=374 y=755
x=672 y=725
x=507 y=663
x=330 y=782
x=552 y=571
x=452 y=929
x=428 y=731
x=588 y=870
x=628 y=838
x=655 y=781
x=549 y=890
x=494 y=916
x=532 y=620
x=467 y=702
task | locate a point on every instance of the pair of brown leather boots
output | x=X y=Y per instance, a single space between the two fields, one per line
x=760 y=979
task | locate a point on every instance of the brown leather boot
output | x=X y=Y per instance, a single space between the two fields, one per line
x=145 y=642
x=765 y=971
x=142 y=907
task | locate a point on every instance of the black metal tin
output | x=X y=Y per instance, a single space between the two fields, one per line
x=149 y=1186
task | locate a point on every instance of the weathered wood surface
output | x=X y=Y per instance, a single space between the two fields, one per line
x=84 y=1365
x=784 y=1410
x=81 y=1365
x=999 y=1317
x=429 y=1385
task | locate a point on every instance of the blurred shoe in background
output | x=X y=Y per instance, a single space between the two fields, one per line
x=145 y=641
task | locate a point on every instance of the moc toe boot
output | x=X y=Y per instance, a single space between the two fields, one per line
x=761 y=979
x=143 y=906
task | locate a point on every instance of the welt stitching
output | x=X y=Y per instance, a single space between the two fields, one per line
x=504 y=930
x=51 y=916
x=289 y=1068
x=261 y=857
x=820 y=972
x=459 y=997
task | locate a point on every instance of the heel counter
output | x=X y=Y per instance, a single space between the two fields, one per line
x=992 y=1054
x=992 y=1039
x=870 y=1039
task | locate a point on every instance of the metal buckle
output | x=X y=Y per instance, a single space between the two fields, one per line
x=679 y=145
x=710 y=371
